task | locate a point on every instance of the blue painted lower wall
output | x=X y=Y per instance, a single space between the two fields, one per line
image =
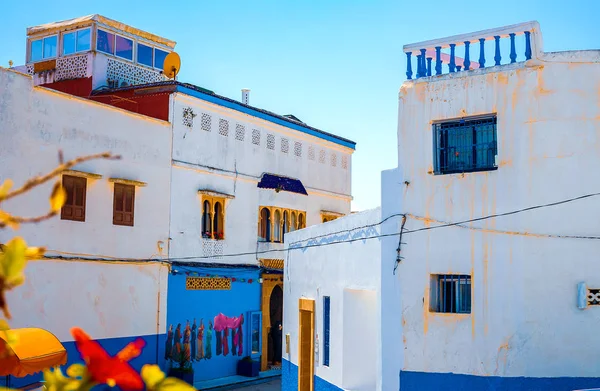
x=153 y=349
x=215 y=353
x=422 y=381
x=289 y=379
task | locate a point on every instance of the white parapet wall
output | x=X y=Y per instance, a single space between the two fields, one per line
x=339 y=260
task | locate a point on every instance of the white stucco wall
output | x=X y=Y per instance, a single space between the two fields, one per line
x=209 y=160
x=349 y=274
x=524 y=319
x=107 y=300
x=35 y=123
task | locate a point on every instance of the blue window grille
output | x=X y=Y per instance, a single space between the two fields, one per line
x=451 y=293
x=465 y=145
x=326 y=331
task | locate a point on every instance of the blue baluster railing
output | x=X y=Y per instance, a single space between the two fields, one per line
x=497 y=57
x=452 y=64
x=481 y=52
x=423 y=63
x=527 y=45
x=438 y=60
x=467 y=61
x=432 y=63
x=513 y=51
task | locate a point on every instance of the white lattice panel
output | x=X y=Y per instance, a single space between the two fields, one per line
x=206 y=122
x=240 y=132
x=223 y=127
x=212 y=248
x=256 y=137
x=322 y=156
x=333 y=159
x=188 y=117
x=298 y=149
x=270 y=141
x=29 y=69
x=285 y=145
x=345 y=162
x=311 y=152
x=130 y=73
x=73 y=67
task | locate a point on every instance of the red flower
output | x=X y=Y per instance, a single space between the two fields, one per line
x=106 y=369
x=250 y=281
x=233 y=279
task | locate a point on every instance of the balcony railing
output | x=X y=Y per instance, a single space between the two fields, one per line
x=426 y=52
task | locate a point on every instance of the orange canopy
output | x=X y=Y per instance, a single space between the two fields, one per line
x=33 y=351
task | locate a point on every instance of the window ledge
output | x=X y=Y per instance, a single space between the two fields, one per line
x=127 y=182
x=213 y=193
x=82 y=174
x=330 y=213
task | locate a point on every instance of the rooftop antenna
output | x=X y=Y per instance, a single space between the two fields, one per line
x=171 y=65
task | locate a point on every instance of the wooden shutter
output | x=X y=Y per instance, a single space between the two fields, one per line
x=74 y=208
x=124 y=204
x=326 y=331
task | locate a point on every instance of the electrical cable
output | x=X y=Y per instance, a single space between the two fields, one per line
x=293 y=246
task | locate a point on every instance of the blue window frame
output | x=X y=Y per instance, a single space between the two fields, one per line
x=159 y=58
x=326 y=331
x=255 y=334
x=105 y=42
x=76 y=41
x=41 y=49
x=451 y=293
x=465 y=145
x=144 y=54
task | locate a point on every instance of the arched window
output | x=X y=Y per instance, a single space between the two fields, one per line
x=286 y=223
x=265 y=224
x=206 y=223
x=294 y=222
x=277 y=226
x=218 y=228
x=301 y=221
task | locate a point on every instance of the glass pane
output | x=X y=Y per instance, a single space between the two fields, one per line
x=128 y=201
x=36 y=50
x=255 y=325
x=144 y=54
x=124 y=48
x=159 y=58
x=105 y=42
x=83 y=40
x=50 y=46
x=68 y=43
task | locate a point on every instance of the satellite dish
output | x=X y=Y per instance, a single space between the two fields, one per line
x=171 y=65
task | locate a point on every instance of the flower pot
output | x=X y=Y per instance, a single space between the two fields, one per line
x=185 y=375
x=248 y=368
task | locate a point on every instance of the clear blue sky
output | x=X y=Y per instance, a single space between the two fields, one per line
x=335 y=64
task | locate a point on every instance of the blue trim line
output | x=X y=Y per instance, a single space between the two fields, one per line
x=256 y=113
x=289 y=379
x=427 y=381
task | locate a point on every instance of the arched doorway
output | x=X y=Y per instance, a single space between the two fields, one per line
x=272 y=312
x=276 y=316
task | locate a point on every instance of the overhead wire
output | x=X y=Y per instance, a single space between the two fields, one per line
x=461 y=224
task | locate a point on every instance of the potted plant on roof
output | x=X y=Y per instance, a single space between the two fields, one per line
x=248 y=367
x=181 y=367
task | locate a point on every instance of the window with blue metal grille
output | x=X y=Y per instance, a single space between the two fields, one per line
x=450 y=293
x=465 y=145
x=326 y=322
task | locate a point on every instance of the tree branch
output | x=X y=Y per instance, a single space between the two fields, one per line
x=36 y=181
x=24 y=220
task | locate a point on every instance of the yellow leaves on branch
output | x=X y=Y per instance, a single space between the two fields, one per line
x=58 y=197
x=13 y=258
x=156 y=380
